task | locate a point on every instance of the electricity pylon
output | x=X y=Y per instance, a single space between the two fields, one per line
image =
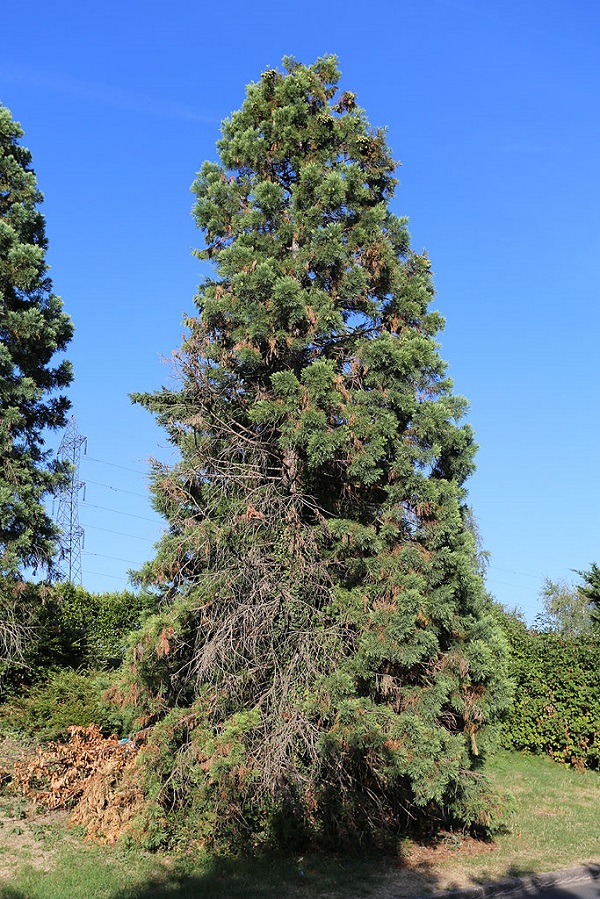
x=67 y=518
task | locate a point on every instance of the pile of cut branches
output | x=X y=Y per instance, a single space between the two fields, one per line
x=95 y=776
x=56 y=775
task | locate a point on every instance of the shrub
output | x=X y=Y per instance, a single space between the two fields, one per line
x=64 y=626
x=556 y=708
x=67 y=698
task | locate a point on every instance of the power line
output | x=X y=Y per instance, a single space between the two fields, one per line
x=535 y=577
x=114 y=558
x=119 y=533
x=117 y=489
x=113 y=576
x=512 y=586
x=118 y=512
x=154 y=521
x=114 y=465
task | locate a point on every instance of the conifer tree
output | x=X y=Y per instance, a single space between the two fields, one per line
x=325 y=654
x=33 y=328
x=591 y=593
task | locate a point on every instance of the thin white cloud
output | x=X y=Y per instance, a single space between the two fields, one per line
x=103 y=94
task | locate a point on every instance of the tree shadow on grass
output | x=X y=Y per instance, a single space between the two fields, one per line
x=318 y=875
x=262 y=878
x=349 y=879
x=266 y=877
x=276 y=876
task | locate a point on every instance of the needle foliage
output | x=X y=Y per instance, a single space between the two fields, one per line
x=325 y=665
x=33 y=329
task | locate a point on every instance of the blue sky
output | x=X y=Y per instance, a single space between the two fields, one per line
x=492 y=108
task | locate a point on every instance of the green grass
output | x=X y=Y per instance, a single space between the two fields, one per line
x=555 y=820
x=83 y=872
x=553 y=825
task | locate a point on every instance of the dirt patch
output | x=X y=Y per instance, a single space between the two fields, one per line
x=430 y=867
x=28 y=837
x=447 y=848
x=426 y=868
x=438 y=866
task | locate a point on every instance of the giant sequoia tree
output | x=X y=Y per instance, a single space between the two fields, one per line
x=325 y=649
x=33 y=328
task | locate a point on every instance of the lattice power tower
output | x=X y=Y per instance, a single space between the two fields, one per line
x=67 y=517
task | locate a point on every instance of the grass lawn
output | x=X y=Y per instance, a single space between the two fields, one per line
x=554 y=824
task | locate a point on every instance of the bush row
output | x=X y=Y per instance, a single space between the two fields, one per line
x=556 y=707
x=78 y=636
x=74 y=638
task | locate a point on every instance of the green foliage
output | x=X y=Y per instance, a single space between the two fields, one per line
x=567 y=610
x=73 y=637
x=325 y=653
x=68 y=627
x=66 y=698
x=33 y=328
x=95 y=626
x=556 y=707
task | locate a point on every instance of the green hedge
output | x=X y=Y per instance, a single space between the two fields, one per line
x=556 y=708
x=69 y=628
x=95 y=626
x=46 y=710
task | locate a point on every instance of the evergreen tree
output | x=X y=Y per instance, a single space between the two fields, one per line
x=591 y=593
x=33 y=328
x=326 y=653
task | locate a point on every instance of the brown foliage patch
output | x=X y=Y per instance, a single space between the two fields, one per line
x=112 y=798
x=95 y=776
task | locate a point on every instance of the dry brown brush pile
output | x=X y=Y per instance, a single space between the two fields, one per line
x=95 y=776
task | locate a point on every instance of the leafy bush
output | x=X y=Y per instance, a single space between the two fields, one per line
x=64 y=626
x=67 y=698
x=556 y=707
x=96 y=625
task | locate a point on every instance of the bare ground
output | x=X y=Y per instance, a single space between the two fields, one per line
x=27 y=838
